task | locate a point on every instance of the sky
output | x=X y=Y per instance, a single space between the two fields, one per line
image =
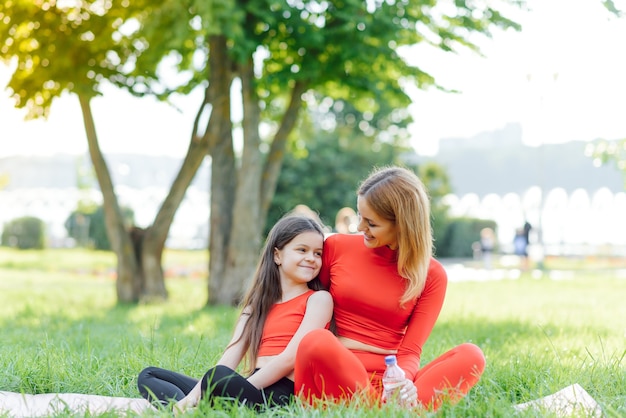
x=561 y=77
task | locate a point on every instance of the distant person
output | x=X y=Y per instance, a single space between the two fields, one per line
x=282 y=304
x=520 y=246
x=487 y=245
x=527 y=227
x=346 y=221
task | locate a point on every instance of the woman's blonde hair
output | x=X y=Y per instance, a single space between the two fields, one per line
x=398 y=195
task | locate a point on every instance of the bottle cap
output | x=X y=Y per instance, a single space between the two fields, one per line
x=391 y=359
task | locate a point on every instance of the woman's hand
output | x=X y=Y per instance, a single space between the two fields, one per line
x=408 y=394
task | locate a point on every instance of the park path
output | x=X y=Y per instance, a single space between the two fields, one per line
x=460 y=270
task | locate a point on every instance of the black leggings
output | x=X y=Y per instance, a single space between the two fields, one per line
x=161 y=387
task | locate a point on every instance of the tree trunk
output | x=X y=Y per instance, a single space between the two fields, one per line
x=239 y=208
x=139 y=251
x=223 y=171
x=153 y=281
x=137 y=236
x=155 y=236
x=246 y=229
x=128 y=281
x=222 y=199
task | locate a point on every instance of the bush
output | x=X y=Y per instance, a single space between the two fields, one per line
x=89 y=229
x=459 y=235
x=24 y=233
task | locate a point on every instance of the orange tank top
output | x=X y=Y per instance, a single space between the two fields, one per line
x=281 y=324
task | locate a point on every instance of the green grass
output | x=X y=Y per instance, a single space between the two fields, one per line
x=61 y=331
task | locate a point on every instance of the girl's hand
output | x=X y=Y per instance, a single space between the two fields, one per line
x=189 y=401
x=184 y=404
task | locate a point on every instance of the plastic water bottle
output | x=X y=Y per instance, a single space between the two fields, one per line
x=393 y=381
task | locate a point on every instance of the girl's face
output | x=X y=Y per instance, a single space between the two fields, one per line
x=301 y=259
x=377 y=231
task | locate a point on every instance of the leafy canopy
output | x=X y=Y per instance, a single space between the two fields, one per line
x=344 y=49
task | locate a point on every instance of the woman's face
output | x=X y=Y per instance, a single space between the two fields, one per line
x=377 y=231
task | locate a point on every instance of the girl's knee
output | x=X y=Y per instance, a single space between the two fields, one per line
x=221 y=371
x=218 y=375
x=145 y=374
x=144 y=379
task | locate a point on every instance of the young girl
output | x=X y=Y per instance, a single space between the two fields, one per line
x=281 y=306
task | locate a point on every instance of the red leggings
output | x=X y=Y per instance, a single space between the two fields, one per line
x=325 y=369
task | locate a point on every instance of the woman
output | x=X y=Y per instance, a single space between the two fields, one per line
x=280 y=307
x=387 y=292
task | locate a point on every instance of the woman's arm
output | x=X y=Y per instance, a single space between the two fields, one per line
x=423 y=319
x=319 y=310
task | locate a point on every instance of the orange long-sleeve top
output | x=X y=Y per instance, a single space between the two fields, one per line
x=366 y=290
x=282 y=322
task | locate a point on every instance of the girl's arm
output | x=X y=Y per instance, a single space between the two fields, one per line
x=235 y=350
x=319 y=310
x=230 y=358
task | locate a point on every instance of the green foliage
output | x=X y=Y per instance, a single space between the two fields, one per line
x=62 y=47
x=336 y=148
x=437 y=182
x=4 y=180
x=611 y=7
x=24 y=233
x=325 y=175
x=345 y=50
x=458 y=236
x=607 y=153
x=77 y=226
x=325 y=181
x=88 y=227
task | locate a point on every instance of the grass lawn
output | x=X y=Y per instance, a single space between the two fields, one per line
x=61 y=331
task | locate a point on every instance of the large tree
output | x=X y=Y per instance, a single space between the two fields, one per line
x=73 y=48
x=279 y=52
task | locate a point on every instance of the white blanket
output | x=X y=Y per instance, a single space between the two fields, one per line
x=20 y=405
x=570 y=401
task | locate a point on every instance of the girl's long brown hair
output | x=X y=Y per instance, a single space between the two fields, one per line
x=265 y=289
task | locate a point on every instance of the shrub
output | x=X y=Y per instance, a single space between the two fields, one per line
x=459 y=235
x=89 y=229
x=24 y=233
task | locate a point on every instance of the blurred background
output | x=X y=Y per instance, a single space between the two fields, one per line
x=524 y=132
x=493 y=176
